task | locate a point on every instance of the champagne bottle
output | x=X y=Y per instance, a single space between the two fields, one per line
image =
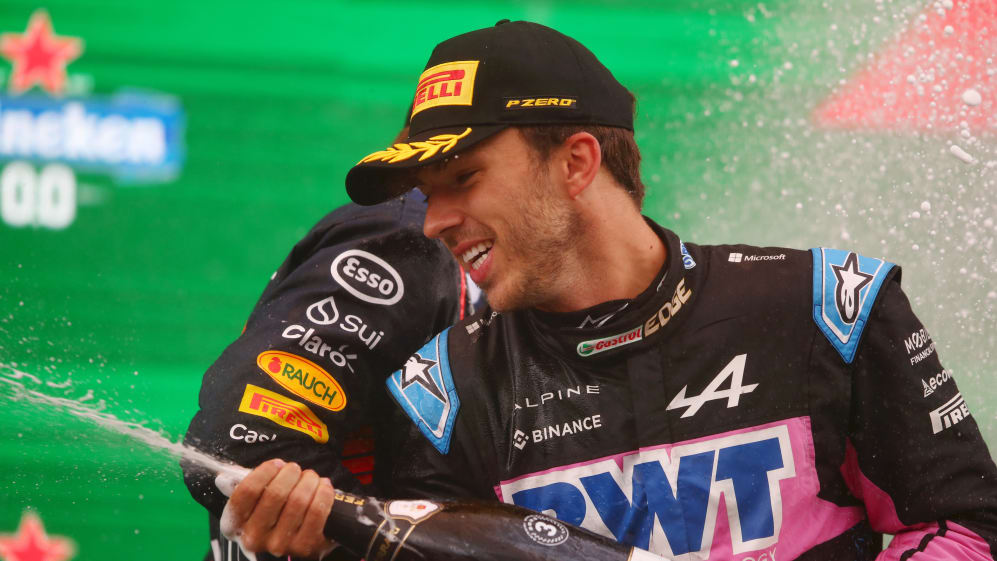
x=463 y=530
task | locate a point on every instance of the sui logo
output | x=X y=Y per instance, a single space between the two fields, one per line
x=668 y=501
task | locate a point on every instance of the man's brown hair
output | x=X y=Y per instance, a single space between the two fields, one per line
x=620 y=154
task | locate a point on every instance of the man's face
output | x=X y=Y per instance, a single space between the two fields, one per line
x=506 y=218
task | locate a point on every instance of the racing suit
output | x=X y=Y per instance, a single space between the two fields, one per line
x=304 y=382
x=757 y=404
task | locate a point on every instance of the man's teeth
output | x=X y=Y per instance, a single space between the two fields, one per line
x=476 y=255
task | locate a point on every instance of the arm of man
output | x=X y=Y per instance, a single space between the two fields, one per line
x=355 y=297
x=432 y=450
x=915 y=455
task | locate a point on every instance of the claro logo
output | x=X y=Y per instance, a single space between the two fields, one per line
x=368 y=277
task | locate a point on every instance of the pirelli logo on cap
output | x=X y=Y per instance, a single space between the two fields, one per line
x=527 y=102
x=283 y=411
x=450 y=83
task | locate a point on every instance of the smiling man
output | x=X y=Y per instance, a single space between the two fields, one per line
x=707 y=402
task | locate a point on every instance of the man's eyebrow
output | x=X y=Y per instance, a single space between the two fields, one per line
x=436 y=167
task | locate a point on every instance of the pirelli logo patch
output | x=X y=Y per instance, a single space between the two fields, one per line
x=450 y=83
x=528 y=102
x=283 y=411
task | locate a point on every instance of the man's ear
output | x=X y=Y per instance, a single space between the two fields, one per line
x=582 y=157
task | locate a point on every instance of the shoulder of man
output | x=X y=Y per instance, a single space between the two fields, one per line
x=838 y=287
x=430 y=386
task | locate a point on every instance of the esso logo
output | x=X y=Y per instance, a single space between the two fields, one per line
x=368 y=277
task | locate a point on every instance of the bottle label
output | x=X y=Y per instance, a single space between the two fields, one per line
x=545 y=530
x=413 y=511
x=399 y=519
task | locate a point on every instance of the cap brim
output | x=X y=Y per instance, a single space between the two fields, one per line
x=380 y=176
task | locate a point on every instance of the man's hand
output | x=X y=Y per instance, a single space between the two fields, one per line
x=281 y=509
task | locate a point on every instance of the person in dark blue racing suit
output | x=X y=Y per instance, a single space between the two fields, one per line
x=304 y=381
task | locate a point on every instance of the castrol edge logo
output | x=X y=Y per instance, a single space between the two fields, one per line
x=303 y=378
x=450 y=83
x=283 y=411
x=654 y=323
x=596 y=346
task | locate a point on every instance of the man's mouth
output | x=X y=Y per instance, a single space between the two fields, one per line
x=476 y=256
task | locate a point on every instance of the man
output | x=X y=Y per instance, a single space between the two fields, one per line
x=304 y=381
x=708 y=402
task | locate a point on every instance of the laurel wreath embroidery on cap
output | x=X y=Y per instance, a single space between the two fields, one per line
x=403 y=151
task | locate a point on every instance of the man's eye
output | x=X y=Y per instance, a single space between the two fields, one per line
x=465 y=177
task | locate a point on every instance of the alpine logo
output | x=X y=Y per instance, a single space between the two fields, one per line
x=850 y=283
x=951 y=413
x=735 y=371
x=668 y=500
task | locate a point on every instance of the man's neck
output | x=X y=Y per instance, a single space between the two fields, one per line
x=619 y=258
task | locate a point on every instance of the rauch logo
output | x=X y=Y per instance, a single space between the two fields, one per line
x=303 y=378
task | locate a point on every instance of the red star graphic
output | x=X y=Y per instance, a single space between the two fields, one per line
x=39 y=55
x=30 y=543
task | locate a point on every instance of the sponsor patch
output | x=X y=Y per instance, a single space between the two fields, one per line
x=543 y=102
x=545 y=530
x=845 y=287
x=303 y=378
x=424 y=388
x=366 y=276
x=687 y=261
x=283 y=411
x=669 y=499
x=559 y=395
x=241 y=432
x=654 y=323
x=450 y=83
x=519 y=439
x=596 y=346
x=935 y=382
x=740 y=257
x=561 y=430
x=734 y=370
x=952 y=412
x=315 y=345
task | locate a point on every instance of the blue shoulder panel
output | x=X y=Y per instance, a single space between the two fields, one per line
x=425 y=390
x=845 y=287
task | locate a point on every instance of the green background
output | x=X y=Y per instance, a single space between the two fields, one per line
x=144 y=289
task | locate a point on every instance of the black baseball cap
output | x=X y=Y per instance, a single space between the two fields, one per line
x=479 y=83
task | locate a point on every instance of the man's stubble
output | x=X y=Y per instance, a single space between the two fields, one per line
x=543 y=237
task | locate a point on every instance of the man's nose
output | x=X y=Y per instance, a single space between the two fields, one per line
x=441 y=215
